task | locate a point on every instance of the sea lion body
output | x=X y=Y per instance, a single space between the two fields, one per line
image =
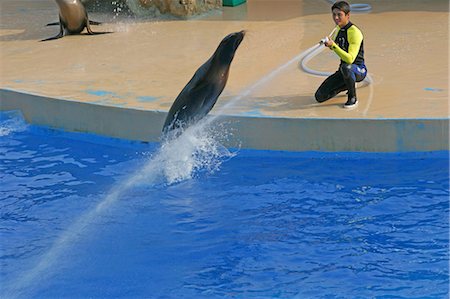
x=200 y=94
x=73 y=18
x=73 y=15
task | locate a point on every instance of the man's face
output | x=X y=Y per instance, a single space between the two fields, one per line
x=340 y=18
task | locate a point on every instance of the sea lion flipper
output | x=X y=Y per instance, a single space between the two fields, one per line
x=97 y=33
x=52 y=38
x=89 y=30
x=60 y=34
x=94 y=23
x=52 y=24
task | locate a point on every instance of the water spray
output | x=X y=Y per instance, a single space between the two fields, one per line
x=304 y=57
x=166 y=164
x=175 y=161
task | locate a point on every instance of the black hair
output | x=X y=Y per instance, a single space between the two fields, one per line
x=342 y=6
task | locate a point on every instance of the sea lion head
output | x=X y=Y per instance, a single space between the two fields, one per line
x=228 y=46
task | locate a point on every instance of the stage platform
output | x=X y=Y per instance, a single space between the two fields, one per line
x=122 y=84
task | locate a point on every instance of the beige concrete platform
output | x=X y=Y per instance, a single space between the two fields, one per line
x=141 y=67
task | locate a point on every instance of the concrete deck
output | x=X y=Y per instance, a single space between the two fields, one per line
x=122 y=84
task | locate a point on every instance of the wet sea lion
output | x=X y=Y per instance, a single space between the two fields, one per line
x=200 y=94
x=73 y=19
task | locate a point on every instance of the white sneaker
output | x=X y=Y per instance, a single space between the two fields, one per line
x=351 y=103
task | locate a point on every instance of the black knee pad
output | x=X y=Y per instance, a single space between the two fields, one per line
x=319 y=97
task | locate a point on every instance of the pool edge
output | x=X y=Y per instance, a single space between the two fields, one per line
x=262 y=133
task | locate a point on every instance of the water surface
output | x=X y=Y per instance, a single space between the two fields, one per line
x=261 y=224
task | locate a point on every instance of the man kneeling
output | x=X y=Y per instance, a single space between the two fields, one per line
x=348 y=44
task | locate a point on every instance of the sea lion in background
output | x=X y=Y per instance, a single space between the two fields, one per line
x=73 y=19
x=200 y=94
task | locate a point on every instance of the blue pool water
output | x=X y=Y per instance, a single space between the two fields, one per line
x=88 y=217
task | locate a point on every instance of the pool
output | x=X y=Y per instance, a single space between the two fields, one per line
x=84 y=216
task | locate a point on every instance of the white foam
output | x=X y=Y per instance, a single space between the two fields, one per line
x=197 y=149
x=13 y=123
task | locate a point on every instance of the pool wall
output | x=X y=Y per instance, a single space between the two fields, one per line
x=265 y=133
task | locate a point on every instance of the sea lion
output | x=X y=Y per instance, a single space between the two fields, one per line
x=200 y=94
x=73 y=18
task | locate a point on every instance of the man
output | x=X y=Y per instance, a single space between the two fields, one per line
x=348 y=45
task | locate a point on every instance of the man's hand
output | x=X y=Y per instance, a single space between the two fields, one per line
x=328 y=42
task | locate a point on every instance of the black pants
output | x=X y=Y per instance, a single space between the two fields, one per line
x=344 y=79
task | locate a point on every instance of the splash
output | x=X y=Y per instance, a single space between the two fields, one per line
x=197 y=149
x=11 y=122
x=140 y=9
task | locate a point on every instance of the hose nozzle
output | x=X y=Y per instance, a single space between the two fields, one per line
x=324 y=40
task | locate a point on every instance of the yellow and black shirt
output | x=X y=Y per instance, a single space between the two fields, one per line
x=349 y=44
